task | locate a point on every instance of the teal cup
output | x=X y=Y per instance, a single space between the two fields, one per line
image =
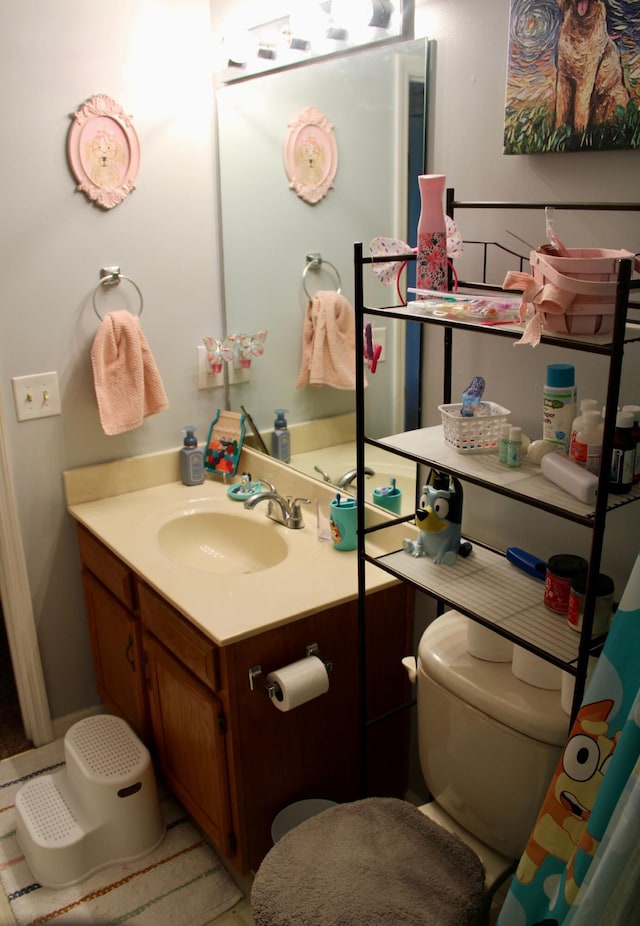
x=344 y=523
x=388 y=497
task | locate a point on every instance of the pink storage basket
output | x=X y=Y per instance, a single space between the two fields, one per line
x=591 y=274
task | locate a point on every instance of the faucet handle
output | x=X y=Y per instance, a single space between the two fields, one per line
x=295 y=502
x=326 y=477
x=296 y=513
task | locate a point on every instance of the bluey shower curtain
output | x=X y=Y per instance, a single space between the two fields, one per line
x=581 y=866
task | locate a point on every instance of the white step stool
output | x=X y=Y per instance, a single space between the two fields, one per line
x=100 y=809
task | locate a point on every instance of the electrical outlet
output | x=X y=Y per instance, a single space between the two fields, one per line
x=238 y=374
x=380 y=337
x=207 y=379
x=36 y=395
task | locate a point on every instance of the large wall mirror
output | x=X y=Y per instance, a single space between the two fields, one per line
x=375 y=101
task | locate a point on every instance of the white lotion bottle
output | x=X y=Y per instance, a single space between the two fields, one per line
x=587 y=447
x=586 y=405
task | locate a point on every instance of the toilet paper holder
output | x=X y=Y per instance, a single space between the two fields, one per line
x=257 y=676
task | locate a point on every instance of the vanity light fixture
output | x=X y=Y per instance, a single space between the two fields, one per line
x=238 y=48
x=315 y=30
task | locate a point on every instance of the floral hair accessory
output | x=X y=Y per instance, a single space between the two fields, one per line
x=389 y=273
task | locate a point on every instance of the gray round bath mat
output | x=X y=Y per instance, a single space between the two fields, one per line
x=377 y=861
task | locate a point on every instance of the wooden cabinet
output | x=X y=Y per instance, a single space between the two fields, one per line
x=188 y=718
x=115 y=634
x=313 y=751
x=189 y=728
x=231 y=757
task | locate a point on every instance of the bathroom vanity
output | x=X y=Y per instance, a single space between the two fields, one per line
x=183 y=657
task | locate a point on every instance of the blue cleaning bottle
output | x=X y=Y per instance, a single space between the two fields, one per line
x=280 y=437
x=191 y=463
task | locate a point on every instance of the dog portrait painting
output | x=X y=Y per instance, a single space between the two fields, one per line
x=573 y=76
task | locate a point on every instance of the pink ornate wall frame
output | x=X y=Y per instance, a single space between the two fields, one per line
x=311 y=155
x=104 y=151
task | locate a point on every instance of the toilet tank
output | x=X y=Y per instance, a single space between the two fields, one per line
x=488 y=742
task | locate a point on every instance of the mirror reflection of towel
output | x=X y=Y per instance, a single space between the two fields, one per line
x=328 y=342
x=125 y=376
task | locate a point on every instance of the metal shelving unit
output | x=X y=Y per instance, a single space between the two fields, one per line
x=485 y=586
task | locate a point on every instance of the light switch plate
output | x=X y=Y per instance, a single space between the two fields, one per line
x=36 y=395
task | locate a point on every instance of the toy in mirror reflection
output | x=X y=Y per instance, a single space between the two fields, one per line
x=389 y=497
x=439 y=518
x=344 y=523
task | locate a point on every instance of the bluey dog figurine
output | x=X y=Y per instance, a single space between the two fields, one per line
x=439 y=517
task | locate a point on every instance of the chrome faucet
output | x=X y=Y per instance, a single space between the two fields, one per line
x=345 y=481
x=282 y=510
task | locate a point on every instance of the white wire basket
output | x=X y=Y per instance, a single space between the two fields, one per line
x=478 y=434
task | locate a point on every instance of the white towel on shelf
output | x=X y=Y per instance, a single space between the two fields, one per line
x=328 y=342
x=125 y=376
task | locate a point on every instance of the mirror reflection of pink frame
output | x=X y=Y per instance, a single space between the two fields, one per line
x=311 y=155
x=103 y=150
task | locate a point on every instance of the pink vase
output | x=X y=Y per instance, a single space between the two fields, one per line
x=431 y=261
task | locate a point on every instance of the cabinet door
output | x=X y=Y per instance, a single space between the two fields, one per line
x=115 y=643
x=189 y=735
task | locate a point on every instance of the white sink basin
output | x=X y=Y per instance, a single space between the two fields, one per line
x=222 y=544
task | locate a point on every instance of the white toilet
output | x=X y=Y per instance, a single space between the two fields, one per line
x=489 y=744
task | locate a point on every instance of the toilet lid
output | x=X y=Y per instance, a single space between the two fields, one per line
x=378 y=861
x=491 y=687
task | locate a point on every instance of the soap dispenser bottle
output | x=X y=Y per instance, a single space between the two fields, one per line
x=280 y=437
x=191 y=464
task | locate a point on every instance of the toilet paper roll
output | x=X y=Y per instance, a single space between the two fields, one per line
x=535 y=671
x=486 y=644
x=298 y=683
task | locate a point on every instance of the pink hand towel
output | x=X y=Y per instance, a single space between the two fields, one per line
x=328 y=342
x=125 y=376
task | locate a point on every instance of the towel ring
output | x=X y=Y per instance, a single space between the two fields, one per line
x=111 y=276
x=314 y=262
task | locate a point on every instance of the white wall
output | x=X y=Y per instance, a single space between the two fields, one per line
x=152 y=57
x=466 y=144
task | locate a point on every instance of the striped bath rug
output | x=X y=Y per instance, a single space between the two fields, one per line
x=182 y=881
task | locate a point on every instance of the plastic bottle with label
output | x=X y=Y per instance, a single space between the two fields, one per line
x=514 y=446
x=280 y=439
x=624 y=453
x=191 y=459
x=586 y=450
x=503 y=441
x=635 y=411
x=559 y=405
x=586 y=405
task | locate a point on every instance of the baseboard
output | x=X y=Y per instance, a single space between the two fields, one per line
x=62 y=724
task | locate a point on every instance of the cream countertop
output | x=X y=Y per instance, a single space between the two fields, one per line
x=311 y=578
